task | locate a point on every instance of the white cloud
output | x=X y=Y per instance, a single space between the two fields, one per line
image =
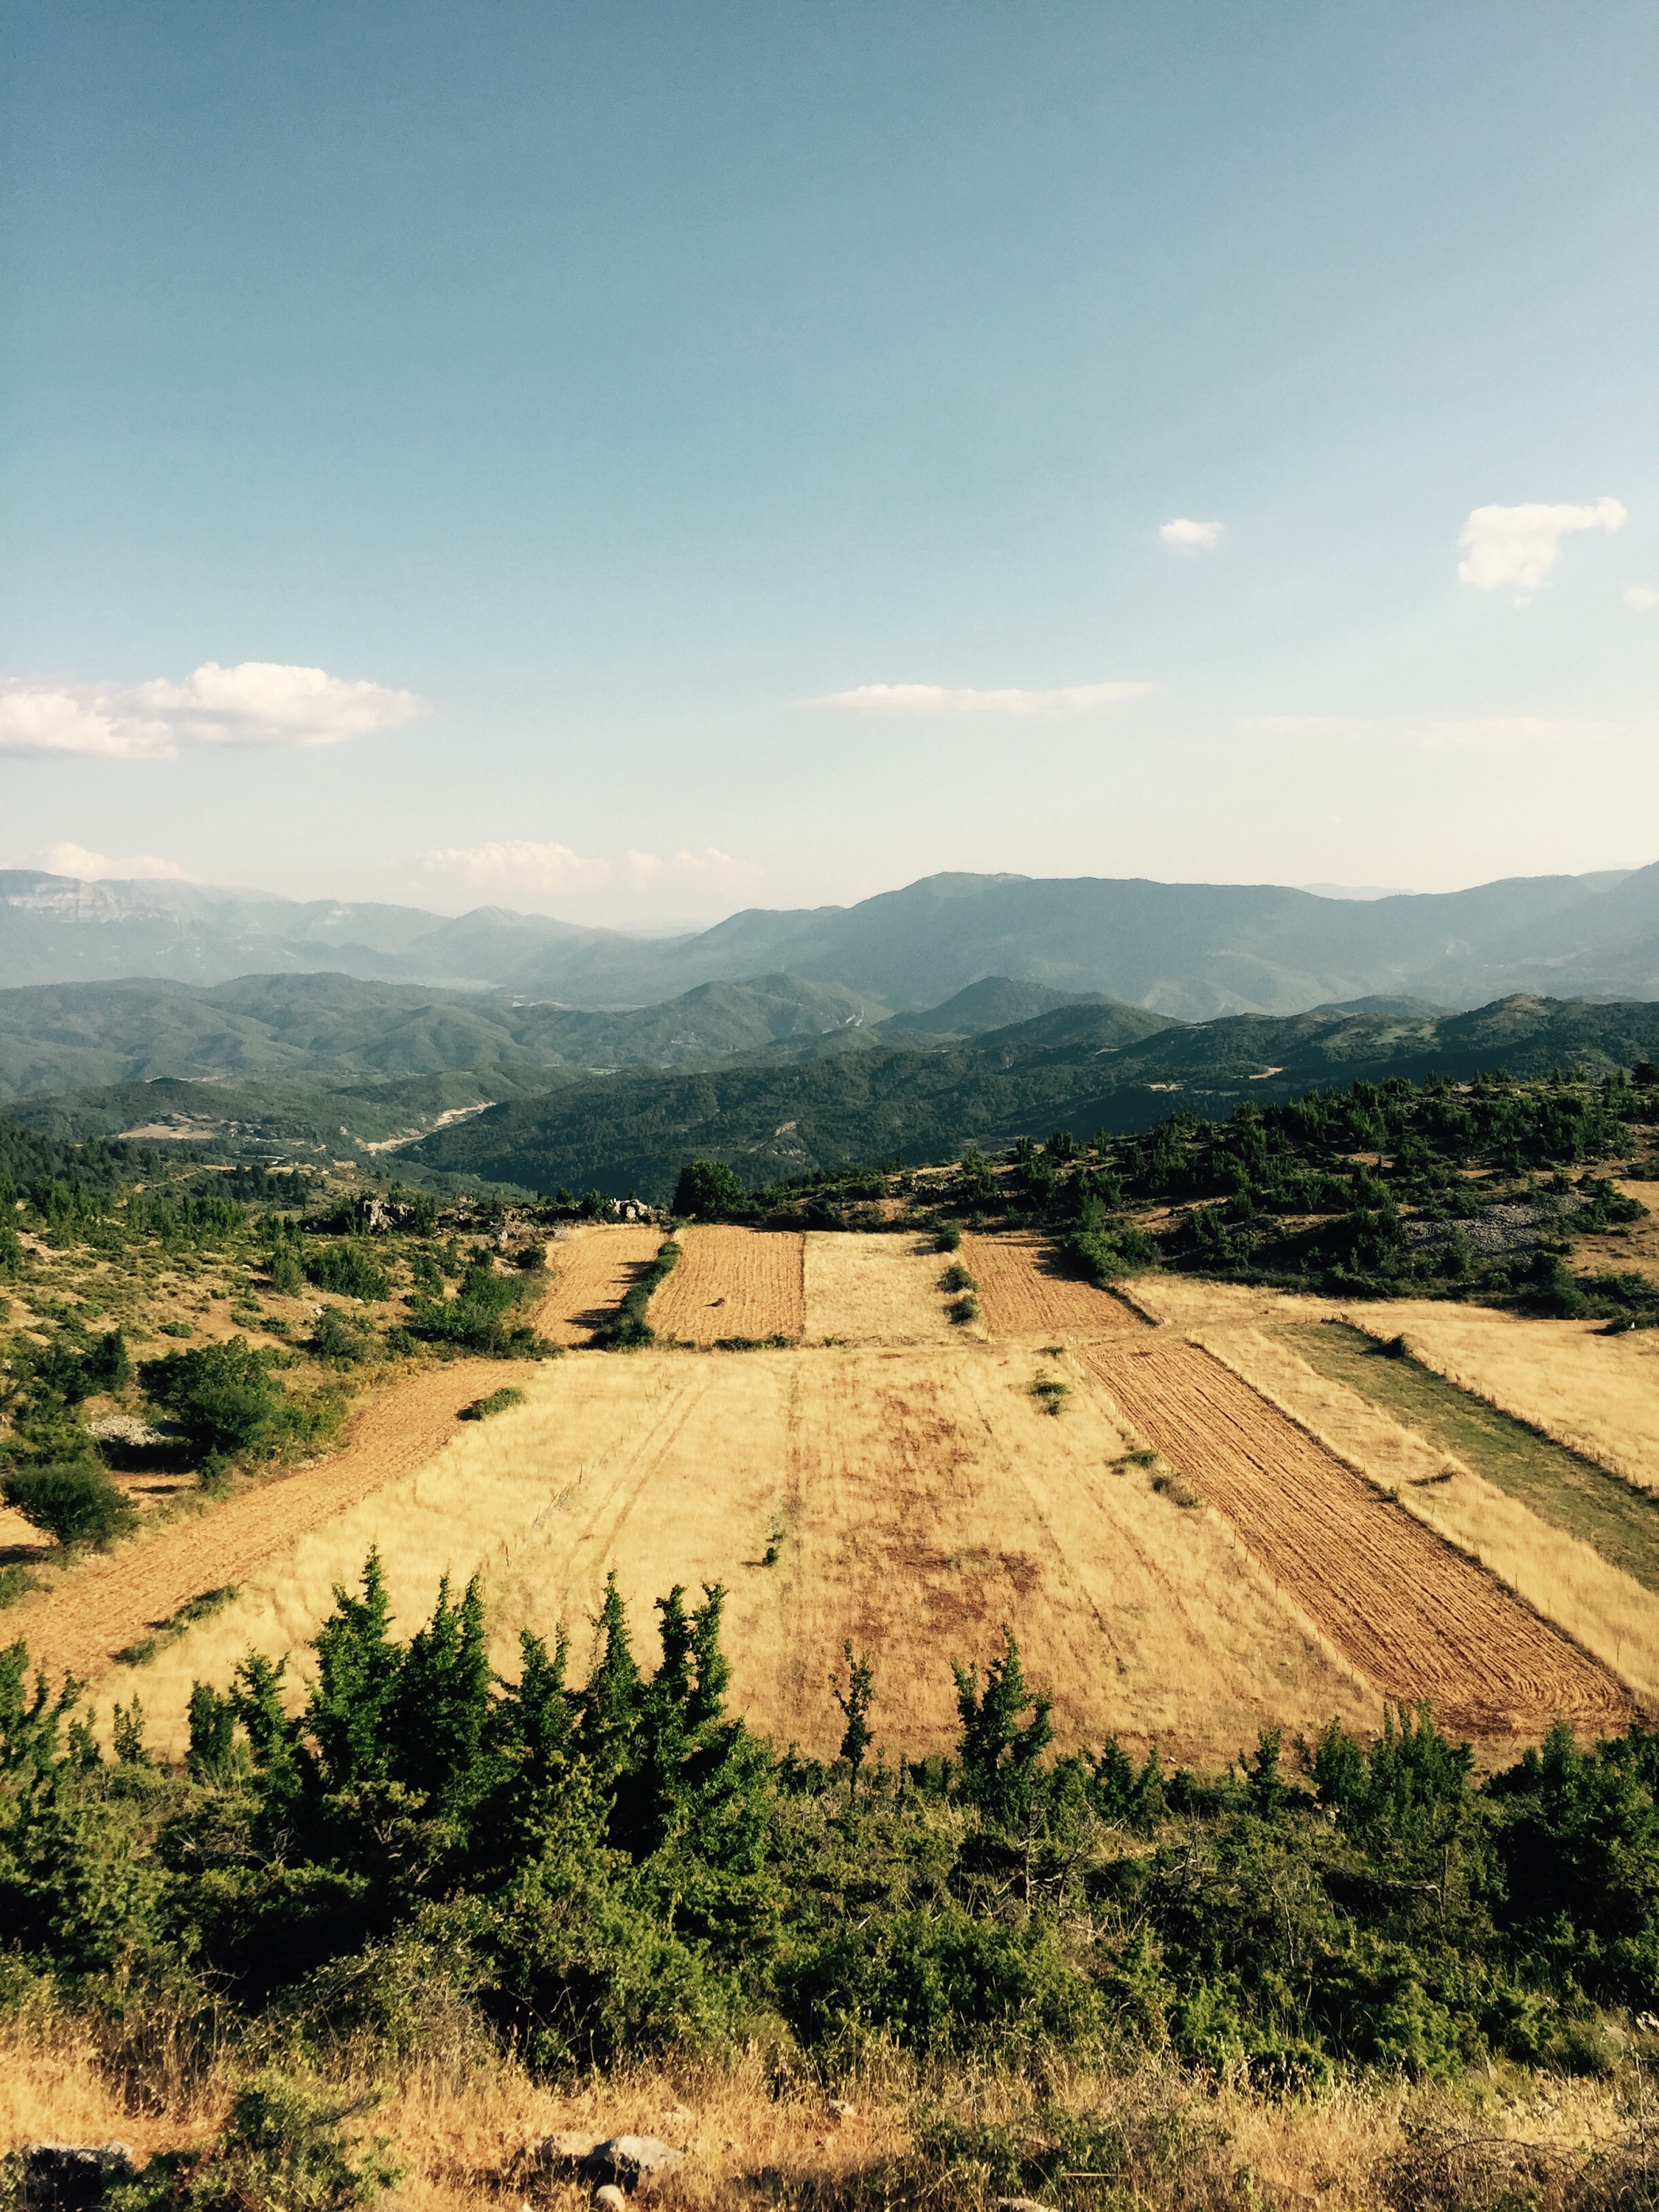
x=942 y=698
x=258 y=703
x=1514 y=733
x=1518 y=544
x=521 y=861
x=71 y=859
x=1642 y=599
x=1189 y=537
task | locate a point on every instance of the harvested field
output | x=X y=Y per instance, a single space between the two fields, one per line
x=913 y=1501
x=733 y=1283
x=1418 y=1619
x=875 y=1289
x=1026 y=1291
x=102 y=1607
x=1571 y=1493
x=593 y=1270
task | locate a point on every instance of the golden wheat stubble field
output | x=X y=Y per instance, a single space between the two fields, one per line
x=732 y=1283
x=910 y=1497
x=908 y=1492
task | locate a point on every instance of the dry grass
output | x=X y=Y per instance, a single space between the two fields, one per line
x=875 y=1289
x=732 y=1283
x=756 y=2135
x=920 y=1498
x=592 y=1269
x=1568 y=1581
x=1597 y=1395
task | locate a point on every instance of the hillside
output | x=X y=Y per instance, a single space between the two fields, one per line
x=73 y=1036
x=1191 y=950
x=1089 y=1067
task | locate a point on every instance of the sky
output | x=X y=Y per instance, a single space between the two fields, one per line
x=634 y=462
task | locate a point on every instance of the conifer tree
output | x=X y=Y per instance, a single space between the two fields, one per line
x=609 y=1703
x=854 y=1703
x=999 y=1756
x=439 y=1717
x=358 y=1667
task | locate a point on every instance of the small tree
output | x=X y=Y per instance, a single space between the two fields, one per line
x=707 y=1191
x=223 y=1396
x=76 y=1504
x=855 y=1702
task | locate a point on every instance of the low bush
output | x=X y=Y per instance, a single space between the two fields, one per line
x=496 y=1402
x=346 y=1266
x=630 y=1329
x=223 y=1398
x=77 y=1504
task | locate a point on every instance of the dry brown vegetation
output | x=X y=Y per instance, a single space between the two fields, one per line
x=461 y=2118
x=732 y=1283
x=1417 y=1618
x=1026 y=1291
x=875 y=1289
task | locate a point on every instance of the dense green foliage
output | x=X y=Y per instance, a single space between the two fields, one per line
x=858 y=1096
x=707 y=1190
x=622 y=1867
x=74 y=1504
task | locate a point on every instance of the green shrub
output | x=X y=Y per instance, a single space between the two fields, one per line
x=496 y=1402
x=283 y=2149
x=223 y=1397
x=76 y=1504
x=480 y=1316
x=346 y=1266
x=630 y=1329
x=341 y=1341
x=957 y=1278
x=707 y=1191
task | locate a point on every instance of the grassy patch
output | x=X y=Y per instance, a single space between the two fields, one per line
x=201 y=1607
x=496 y=1402
x=1573 y=1494
x=1050 y=1393
x=630 y=1329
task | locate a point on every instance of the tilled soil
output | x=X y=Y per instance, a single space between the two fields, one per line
x=593 y=1270
x=1024 y=1291
x=732 y=1283
x=1415 y=1617
x=102 y=1607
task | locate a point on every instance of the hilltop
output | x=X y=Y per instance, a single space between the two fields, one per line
x=1192 y=950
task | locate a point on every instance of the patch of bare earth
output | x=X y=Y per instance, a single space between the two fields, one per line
x=593 y=1270
x=733 y=1283
x=1026 y=1291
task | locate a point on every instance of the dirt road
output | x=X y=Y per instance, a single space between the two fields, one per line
x=104 y=1605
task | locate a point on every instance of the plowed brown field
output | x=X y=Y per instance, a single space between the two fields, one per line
x=733 y=1282
x=1416 y=1617
x=593 y=1270
x=1025 y=1291
x=102 y=1607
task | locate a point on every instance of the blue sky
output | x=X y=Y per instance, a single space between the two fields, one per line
x=582 y=390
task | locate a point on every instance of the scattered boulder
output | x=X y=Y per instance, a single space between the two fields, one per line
x=631 y=2162
x=66 y=2177
x=1020 y=2204
x=609 y=2197
x=562 y=2153
x=840 y=2110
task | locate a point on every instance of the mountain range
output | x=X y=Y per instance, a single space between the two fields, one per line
x=1191 y=951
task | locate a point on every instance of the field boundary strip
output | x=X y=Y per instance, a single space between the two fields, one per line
x=1416 y=1616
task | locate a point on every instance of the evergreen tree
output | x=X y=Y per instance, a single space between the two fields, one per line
x=358 y=1667
x=1000 y=1756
